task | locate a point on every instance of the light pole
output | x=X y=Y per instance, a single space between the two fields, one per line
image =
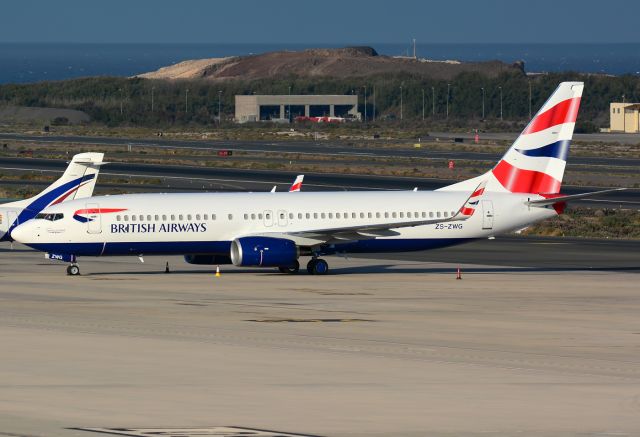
x=433 y=100
x=289 y=106
x=373 y=116
x=186 y=101
x=121 y=99
x=365 y=103
x=529 y=99
x=448 y=86
x=483 y=103
x=152 y=91
x=400 y=102
x=500 y=88
x=422 y=104
x=219 y=107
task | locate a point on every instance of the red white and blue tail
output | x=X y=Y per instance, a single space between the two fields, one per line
x=536 y=161
x=297 y=184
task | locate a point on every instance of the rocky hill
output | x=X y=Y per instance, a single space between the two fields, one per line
x=337 y=63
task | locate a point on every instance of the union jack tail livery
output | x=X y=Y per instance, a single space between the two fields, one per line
x=297 y=184
x=536 y=161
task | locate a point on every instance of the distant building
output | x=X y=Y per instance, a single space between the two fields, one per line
x=625 y=117
x=286 y=108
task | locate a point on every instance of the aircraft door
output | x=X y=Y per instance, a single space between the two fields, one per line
x=12 y=221
x=268 y=218
x=282 y=217
x=94 y=218
x=487 y=214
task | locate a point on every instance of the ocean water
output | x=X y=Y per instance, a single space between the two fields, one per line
x=33 y=62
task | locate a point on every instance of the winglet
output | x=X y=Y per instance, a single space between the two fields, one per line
x=470 y=205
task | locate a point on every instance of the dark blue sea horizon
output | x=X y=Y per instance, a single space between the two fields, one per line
x=34 y=62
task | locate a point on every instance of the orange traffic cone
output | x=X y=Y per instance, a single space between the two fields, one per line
x=459 y=275
x=217 y=271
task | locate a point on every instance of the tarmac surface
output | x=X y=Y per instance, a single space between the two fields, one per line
x=343 y=148
x=188 y=178
x=380 y=347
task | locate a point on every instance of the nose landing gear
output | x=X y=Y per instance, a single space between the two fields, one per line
x=73 y=270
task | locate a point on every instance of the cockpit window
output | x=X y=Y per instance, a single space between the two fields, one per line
x=50 y=217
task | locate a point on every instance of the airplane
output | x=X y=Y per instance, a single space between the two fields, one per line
x=295 y=187
x=276 y=229
x=77 y=182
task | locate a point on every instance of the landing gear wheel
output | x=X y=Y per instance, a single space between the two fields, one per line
x=318 y=267
x=293 y=268
x=73 y=270
x=310 y=265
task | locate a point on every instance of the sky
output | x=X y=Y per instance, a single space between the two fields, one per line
x=326 y=21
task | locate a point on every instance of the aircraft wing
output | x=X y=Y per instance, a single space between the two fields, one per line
x=385 y=229
x=561 y=198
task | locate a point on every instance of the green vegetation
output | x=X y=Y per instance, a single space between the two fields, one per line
x=127 y=102
x=586 y=222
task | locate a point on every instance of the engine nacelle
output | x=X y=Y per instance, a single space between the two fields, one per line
x=263 y=252
x=207 y=259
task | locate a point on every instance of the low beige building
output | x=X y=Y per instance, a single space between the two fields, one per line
x=625 y=117
x=286 y=108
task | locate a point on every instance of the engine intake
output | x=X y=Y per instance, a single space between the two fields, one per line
x=263 y=252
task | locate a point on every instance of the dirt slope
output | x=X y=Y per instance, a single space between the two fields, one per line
x=345 y=62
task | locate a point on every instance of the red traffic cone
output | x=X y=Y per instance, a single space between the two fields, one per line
x=459 y=274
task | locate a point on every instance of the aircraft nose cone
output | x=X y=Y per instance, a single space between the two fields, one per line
x=21 y=233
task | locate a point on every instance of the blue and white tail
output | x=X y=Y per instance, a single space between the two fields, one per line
x=77 y=182
x=536 y=161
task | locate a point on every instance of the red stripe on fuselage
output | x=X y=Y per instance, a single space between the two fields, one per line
x=564 y=112
x=518 y=180
x=467 y=211
x=98 y=210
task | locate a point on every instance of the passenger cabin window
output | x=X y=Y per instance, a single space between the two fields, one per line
x=141 y=217
x=173 y=217
x=198 y=217
x=118 y=218
x=126 y=218
x=164 y=217
x=180 y=217
x=206 y=217
x=148 y=218
x=189 y=217
x=230 y=216
x=133 y=218
x=157 y=218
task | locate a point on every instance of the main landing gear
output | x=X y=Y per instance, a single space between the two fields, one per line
x=73 y=269
x=293 y=268
x=317 y=266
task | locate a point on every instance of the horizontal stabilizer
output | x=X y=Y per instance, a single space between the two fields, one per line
x=559 y=198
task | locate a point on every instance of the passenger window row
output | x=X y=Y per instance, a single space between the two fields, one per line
x=410 y=215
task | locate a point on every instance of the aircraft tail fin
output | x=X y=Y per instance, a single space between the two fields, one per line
x=77 y=182
x=536 y=161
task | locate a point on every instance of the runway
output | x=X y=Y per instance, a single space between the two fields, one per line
x=381 y=347
x=334 y=148
x=191 y=178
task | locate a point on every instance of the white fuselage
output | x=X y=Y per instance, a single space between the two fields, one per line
x=207 y=222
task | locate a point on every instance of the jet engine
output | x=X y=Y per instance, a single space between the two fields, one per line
x=263 y=252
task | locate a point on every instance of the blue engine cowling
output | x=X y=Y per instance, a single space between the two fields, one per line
x=207 y=259
x=263 y=252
